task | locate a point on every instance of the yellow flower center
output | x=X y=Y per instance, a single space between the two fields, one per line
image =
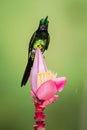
x=43 y=77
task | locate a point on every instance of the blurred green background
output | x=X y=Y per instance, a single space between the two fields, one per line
x=67 y=55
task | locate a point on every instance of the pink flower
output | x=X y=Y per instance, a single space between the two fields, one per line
x=43 y=82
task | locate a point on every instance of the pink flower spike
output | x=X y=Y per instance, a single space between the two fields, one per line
x=38 y=66
x=60 y=83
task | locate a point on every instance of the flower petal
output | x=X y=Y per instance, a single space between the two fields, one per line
x=38 y=66
x=60 y=83
x=51 y=100
x=46 y=90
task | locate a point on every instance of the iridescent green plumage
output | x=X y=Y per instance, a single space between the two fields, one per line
x=40 y=39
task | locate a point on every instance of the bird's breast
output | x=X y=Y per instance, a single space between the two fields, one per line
x=39 y=43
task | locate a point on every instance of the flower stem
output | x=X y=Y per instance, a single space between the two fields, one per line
x=39 y=116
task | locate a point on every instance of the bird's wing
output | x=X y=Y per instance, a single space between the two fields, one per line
x=31 y=43
x=47 y=42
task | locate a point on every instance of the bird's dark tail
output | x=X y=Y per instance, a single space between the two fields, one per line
x=27 y=72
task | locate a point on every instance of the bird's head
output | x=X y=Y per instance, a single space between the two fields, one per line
x=43 y=24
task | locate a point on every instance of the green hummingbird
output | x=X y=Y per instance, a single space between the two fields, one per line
x=40 y=39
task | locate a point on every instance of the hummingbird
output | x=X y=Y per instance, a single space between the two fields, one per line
x=40 y=39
